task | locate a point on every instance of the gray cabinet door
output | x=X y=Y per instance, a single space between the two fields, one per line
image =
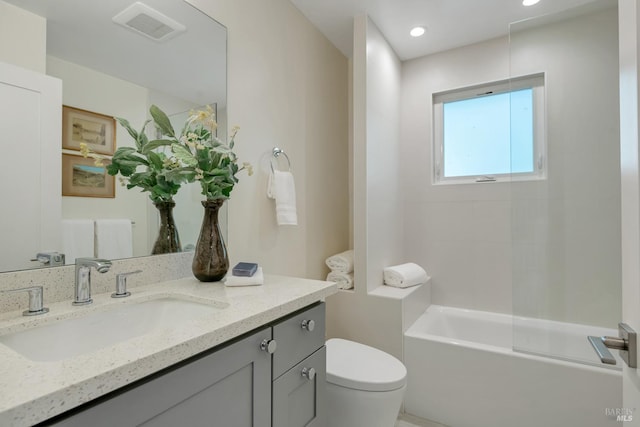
x=231 y=387
x=295 y=342
x=299 y=401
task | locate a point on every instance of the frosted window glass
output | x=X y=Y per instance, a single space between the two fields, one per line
x=488 y=135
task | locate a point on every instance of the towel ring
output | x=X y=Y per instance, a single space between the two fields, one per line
x=276 y=153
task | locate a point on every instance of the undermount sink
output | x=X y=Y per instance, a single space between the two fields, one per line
x=104 y=327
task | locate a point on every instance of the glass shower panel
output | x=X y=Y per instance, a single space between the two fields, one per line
x=566 y=228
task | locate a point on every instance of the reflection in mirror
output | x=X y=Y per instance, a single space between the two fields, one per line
x=116 y=71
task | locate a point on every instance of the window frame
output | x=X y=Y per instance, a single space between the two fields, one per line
x=532 y=81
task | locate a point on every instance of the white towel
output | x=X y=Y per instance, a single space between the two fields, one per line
x=77 y=239
x=255 y=280
x=281 y=187
x=114 y=238
x=343 y=280
x=342 y=262
x=405 y=275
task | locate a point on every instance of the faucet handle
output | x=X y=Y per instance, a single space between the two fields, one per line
x=51 y=259
x=35 y=300
x=121 y=284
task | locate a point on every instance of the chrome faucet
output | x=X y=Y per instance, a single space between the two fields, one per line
x=82 y=294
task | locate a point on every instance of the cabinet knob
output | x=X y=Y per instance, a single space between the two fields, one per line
x=309 y=373
x=269 y=346
x=309 y=325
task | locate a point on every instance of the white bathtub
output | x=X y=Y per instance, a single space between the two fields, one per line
x=462 y=372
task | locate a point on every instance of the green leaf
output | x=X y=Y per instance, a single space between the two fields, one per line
x=184 y=155
x=155 y=160
x=125 y=124
x=156 y=143
x=180 y=175
x=126 y=160
x=142 y=136
x=163 y=122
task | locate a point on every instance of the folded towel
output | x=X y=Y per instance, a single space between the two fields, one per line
x=77 y=239
x=256 y=279
x=281 y=187
x=405 y=275
x=343 y=280
x=342 y=262
x=114 y=238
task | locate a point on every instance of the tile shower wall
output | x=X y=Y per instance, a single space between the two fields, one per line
x=460 y=233
x=463 y=234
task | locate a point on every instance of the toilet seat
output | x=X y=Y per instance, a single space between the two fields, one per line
x=360 y=367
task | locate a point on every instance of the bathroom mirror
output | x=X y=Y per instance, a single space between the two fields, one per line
x=113 y=70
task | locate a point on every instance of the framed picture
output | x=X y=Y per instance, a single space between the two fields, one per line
x=82 y=178
x=96 y=130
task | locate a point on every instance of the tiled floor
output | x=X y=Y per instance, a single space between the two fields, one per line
x=405 y=420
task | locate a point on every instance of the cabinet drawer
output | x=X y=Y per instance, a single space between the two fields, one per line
x=296 y=342
x=299 y=401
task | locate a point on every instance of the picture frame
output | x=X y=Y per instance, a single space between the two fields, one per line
x=96 y=130
x=82 y=178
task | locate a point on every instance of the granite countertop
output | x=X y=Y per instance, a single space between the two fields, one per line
x=31 y=392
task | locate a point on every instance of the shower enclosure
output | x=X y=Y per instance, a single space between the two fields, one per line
x=566 y=238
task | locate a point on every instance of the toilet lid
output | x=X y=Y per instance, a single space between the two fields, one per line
x=360 y=367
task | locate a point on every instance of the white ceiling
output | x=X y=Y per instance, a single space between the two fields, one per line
x=449 y=23
x=81 y=31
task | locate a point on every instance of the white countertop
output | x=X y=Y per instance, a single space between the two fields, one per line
x=31 y=392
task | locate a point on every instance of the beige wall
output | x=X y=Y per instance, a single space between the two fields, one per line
x=30 y=30
x=287 y=87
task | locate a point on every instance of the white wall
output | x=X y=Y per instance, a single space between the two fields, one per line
x=629 y=18
x=459 y=233
x=369 y=314
x=463 y=233
x=287 y=87
x=30 y=30
x=381 y=182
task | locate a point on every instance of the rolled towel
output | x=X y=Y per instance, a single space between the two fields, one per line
x=343 y=280
x=405 y=275
x=255 y=280
x=342 y=262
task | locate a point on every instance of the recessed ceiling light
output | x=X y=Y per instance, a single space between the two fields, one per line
x=417 y=31
x=529 y=2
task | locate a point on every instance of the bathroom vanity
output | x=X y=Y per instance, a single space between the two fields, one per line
x=257 y=359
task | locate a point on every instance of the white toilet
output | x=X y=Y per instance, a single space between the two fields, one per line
x=365 y=386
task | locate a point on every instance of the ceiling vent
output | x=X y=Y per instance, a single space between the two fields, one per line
x=149 y=22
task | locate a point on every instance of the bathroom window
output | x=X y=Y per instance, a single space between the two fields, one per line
x=491 y=132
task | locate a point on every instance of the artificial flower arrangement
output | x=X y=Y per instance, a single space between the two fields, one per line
x=196 y=154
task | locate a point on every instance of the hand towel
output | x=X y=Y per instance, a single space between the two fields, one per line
x=342 y=262
x=405 y=275
x=343 y=280
x=281 y=187
x=77 y=239
x=114 y=238
x=255 y=280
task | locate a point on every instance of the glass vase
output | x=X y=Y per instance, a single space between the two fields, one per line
x=168 y=240
x=210 y=260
